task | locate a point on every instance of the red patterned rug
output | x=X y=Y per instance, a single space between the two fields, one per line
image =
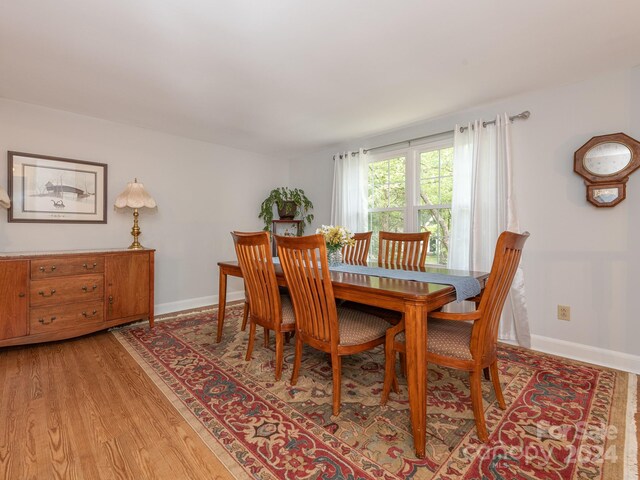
x=564 y=419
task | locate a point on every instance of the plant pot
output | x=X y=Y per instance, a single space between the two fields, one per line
x=288 y=210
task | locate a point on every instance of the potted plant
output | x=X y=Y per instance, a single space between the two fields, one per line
x=290 y=202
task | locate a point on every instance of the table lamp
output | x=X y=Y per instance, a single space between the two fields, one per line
x=4 y=199
x=135 y=196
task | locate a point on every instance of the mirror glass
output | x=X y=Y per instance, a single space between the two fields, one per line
x=607 y=158
x=605 y=195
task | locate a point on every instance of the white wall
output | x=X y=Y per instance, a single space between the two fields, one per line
x=578 y=255
x=203 y=192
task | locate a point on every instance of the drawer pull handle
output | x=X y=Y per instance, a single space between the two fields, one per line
x=44 y=322
x=22 y=295
x=86 y=289
x=44 y=269
x=42 y=294
x=87 y=267
x=87 y=315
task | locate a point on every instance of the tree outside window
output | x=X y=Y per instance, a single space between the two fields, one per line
x=435 y=194
x=387 y=198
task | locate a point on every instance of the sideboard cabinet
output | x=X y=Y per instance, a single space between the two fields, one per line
x=57 y=295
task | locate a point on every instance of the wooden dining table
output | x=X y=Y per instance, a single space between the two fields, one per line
x=414 y=299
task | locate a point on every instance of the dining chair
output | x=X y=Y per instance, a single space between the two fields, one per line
x=399 y=250
x=467 y=341
x=358 y=253
x=267 y=307
x=245 y=309
x=319 y=322
x=403 y=249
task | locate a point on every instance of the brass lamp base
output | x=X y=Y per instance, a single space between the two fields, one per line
x=135 y=231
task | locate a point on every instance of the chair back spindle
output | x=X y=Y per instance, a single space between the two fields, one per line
x=358 y=253
x=403 y=249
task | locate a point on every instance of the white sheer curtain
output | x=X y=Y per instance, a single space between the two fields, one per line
x=483 y=206
x=349 y=202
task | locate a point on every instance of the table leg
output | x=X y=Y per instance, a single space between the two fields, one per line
x=416 y=342
x=222 y=302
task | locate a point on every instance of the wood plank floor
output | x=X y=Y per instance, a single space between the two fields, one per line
x=83 y=409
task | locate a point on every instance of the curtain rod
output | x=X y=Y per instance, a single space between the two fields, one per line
x=521 y=116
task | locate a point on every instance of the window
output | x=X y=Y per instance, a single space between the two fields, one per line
x=411 y=191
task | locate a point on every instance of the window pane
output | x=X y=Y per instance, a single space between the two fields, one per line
x=436 y=177
x=429 y=164
x=438 y=222
x=387 y=183
x=446 y=190
x=384 y=221
x=430 y=192
x=446 y=161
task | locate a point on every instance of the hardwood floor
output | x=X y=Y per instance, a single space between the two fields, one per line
x=83 y=409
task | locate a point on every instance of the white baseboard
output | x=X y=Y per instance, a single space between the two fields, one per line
x=586 y=353
x=190 y=303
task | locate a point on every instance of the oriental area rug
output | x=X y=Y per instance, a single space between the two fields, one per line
x=564 y=419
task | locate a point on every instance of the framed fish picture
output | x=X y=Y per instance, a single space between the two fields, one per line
x=47 y=189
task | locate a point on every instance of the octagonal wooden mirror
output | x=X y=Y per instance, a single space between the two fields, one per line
x=605 y=162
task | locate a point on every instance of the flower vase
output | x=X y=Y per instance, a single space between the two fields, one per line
x=335 y=257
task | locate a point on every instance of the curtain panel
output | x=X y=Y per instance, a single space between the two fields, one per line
x=349 y=200
x=483 y=206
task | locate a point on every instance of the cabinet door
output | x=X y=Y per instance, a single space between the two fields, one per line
x=127 y=279
x=14 y=278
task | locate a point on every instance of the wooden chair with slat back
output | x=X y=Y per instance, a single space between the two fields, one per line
x=266 y=306
x=468 y=341
x=319 y=323
x=403 y=249
x=399 y=250
x=245 y=310
x=358 y=254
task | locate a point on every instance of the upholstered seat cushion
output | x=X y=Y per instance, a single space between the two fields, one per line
x=447 y=338
x=358 y=327
x=287 y=310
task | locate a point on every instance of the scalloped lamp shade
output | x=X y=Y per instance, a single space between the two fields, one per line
x=4 y=199
x=135 y=196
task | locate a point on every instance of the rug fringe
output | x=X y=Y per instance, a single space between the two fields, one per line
x=631 y=434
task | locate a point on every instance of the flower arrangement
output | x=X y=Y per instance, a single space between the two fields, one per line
x=336 y=237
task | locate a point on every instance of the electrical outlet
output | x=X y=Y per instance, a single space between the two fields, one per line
x=564 y=312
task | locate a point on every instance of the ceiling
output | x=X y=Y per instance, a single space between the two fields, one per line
x=284 y=77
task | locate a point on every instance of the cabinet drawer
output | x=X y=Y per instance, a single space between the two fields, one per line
x=65 y=316
x=60 y=266
x=62 y=290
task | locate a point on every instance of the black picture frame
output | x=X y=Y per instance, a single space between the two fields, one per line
x=46 y=189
